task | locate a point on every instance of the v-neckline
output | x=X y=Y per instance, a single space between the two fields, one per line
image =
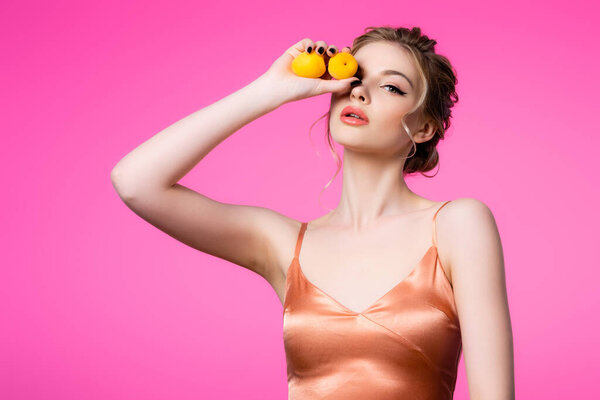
x=376 y=302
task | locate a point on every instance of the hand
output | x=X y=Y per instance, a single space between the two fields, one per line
x=281 y=79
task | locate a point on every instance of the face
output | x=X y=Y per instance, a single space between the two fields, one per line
x=385 y=99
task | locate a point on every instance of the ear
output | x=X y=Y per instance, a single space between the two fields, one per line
x=425 y=132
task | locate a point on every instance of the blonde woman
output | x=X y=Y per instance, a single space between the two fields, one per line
x=382 y=294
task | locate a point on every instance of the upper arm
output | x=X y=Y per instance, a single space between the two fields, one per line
x=478 y=279
x=242 y=234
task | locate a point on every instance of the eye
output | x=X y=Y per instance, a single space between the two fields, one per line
x=396 y=89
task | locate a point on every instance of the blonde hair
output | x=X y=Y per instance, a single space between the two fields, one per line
x=438 y=94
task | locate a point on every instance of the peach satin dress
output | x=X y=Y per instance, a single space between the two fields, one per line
x=406 y=345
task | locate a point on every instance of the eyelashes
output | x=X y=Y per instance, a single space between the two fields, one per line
x=395 y=89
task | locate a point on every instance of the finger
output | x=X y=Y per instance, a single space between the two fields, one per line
x=321 y=47
x=346 y=49
x=332 y=50
x=303 y=45
x=321 y=50
x=335 y=86
x=310 y=46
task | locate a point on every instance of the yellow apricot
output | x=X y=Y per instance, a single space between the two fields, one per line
x=309 y=65
x=342 y=65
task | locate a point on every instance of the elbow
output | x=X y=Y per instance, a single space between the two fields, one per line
x=123 y=189
x=131 y=187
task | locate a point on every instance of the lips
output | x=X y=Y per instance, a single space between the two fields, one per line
x=354 y=110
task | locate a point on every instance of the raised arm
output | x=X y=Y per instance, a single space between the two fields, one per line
x=146 y=178
x=161 y=161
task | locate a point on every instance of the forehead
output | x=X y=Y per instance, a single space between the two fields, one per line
x=377 y=56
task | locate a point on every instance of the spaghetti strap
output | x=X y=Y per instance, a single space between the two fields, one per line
x=434 y=224
x=300 y=237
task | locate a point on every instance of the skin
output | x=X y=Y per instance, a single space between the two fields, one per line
x=375 y=235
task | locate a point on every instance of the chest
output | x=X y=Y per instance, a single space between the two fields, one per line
x=356 y=270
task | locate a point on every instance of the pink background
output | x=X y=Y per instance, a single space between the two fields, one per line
x=95 y=303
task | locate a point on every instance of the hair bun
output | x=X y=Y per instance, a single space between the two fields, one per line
x=420 y=41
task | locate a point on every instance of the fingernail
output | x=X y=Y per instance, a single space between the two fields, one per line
x=332 y=51
x=321 y=50
x=309 y=49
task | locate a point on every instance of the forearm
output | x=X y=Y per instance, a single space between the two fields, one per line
x=161 y=161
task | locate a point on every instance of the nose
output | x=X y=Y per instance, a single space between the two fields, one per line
x=356 y=89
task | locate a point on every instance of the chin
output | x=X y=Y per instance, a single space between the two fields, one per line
x=349 y=139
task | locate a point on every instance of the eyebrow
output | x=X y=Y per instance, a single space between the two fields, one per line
x=391 y=72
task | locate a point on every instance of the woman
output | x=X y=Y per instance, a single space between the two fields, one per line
x=383 y=293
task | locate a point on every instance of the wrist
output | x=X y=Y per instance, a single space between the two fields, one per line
x=267 y=93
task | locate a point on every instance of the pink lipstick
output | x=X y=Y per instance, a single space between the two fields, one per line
x=354 y=116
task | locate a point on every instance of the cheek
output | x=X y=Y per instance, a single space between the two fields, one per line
x=389 y=122
x=390 y=131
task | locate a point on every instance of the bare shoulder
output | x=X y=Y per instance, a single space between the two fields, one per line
x=460 y=219
x=470 y=240
x=465 y=209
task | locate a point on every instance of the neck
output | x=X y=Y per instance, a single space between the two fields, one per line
x=373 y=188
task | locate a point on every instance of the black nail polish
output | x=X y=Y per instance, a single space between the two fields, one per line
x=332 y=51
x=309 y=49
x=321 y=50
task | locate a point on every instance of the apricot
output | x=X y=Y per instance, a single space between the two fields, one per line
x=342 y=65
x=309 y=65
